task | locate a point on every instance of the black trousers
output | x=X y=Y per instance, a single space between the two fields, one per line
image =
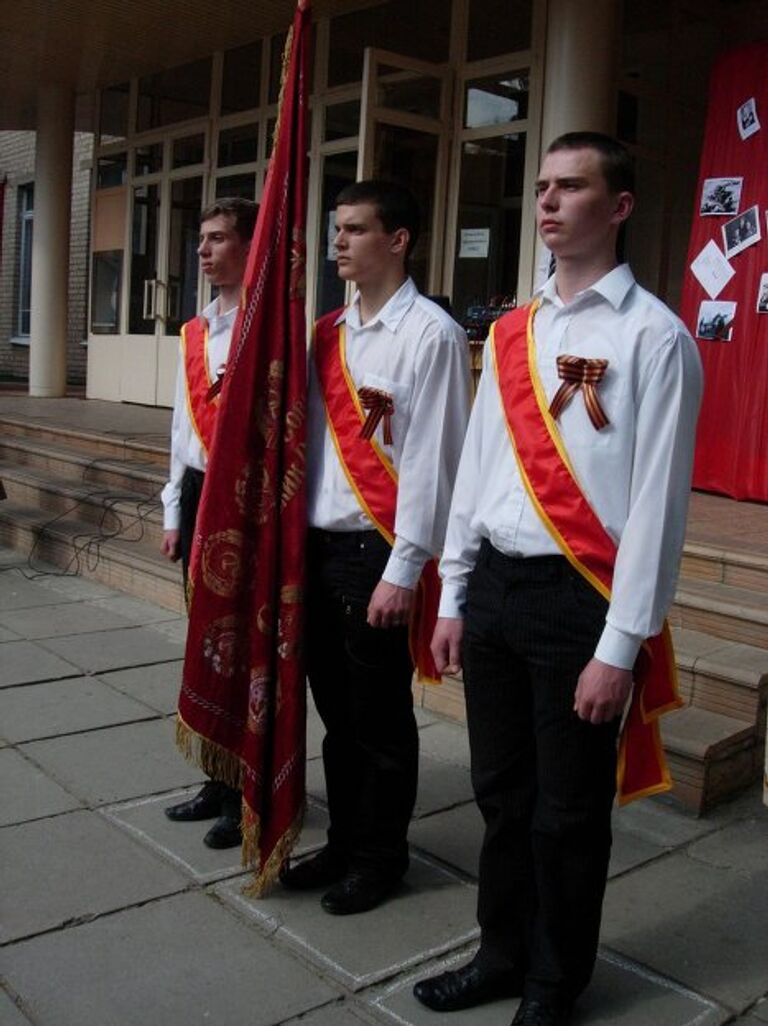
x=544 y=779
x=189 y=501
x=360 y=678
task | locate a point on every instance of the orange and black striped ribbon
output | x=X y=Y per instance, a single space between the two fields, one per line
x=580 y=374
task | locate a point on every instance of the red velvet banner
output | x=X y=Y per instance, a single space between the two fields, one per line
x=732 y=441
x=242 y=704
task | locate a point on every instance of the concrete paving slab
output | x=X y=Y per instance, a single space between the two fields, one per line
x=17 y=592
x=441 y=786
x=64 y=707
x=431 y=913
x=24 y=662
x=28 y=793
x=447 y=742
x=658 y=822
x=70 y=587
x=116 y=763
x=315 y=731
x=10 y=1013
x=182 y=843
x=700 y=924
x=760 y=1010
x=156 y=686
x=630 y=851
x=338 y=1013
x=7 y=635
x=137 y=612
x=183 y=961
x=174 y=631
x=111 y=650
x=620 y=993
x=742 y=847
x=454 y=837
x=66 y=618
x=73 y=866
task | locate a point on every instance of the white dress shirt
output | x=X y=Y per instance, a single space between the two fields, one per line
x=419 y=355
x=186 y=449
x=635 y=472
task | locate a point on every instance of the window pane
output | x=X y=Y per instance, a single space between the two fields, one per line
x=113 y=115
x=186 y=202
x=339 y=169
x=241 y=77
x=146 y=214
x=237 y=185
x=111 y=171
x=406 y=91
x=498 y=26
x=148 y=159
x=402 y=26
x=26 y=204
x=490 y=205
x=238 y=145
x=496 y=100
x=175 y=94
x=342 y=120
x=189 y=150
x=105 y=292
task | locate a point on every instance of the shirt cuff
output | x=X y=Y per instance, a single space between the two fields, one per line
x=617 y=648
x=453 y=599
x=404 y=573
x=171 y=518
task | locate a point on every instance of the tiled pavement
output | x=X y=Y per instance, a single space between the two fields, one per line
x=112 y=915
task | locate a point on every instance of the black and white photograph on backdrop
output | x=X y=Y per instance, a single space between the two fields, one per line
x=741 y=232
x=746 y=118
x=715 y=321
x=720 y=197
x=762 y=294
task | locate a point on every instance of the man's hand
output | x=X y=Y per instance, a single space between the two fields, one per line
x=602 y=692
x=390 y=606
x=446 y=644
x=171 y=546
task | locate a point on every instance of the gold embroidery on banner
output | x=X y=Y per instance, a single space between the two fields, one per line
x=288 y=633
x=222 y=562
x=294 y=475
x=268 y=410
x=297 y=283
x=258 y=699
x=264 y=619
x=219 y=645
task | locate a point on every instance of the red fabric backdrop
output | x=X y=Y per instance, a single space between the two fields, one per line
x=732 y=446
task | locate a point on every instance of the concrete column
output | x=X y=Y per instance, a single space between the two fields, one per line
x=50 y=241
x=582 y=57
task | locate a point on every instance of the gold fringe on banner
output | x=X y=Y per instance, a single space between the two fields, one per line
x=265 y=877
x=283 y=76
x=215 y=761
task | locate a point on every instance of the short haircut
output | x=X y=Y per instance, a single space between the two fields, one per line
x=396 y=206
x=615 y=160
x=242 y=211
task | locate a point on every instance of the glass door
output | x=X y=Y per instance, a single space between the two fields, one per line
x=404 y=136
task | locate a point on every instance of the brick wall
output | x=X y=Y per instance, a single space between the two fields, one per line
x=17 y=164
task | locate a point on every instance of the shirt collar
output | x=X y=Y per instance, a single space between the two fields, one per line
x=613 y=287
x=211 y=312
x=390 y=315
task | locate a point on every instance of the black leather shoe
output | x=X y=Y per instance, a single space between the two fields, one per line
x=540 y=1013
x=357 y=892
x=205 y=805
x=225 y=833
x=319 y=870
x=466 y=987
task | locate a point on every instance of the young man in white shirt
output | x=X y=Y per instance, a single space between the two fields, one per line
x=548 y=656
x=401 y=358
x=226 y=228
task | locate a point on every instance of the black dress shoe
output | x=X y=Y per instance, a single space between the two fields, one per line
x=319 y=870
x=225 y=833
x=358 y=891
x=541 y=1013
x=205 y=805
x=466 y=987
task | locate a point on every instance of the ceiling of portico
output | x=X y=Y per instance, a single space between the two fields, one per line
x=86 y=44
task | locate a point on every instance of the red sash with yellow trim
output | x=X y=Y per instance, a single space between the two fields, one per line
x=555 y=492
x=202 y=409
x=372 y=478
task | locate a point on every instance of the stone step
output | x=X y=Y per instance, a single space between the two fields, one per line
x=711 y=757
x=735 y=566
x=722 y=676
x=92 y=443
x=133 y=567
x=121 y=513
x=63 y=462
x=736 y=614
